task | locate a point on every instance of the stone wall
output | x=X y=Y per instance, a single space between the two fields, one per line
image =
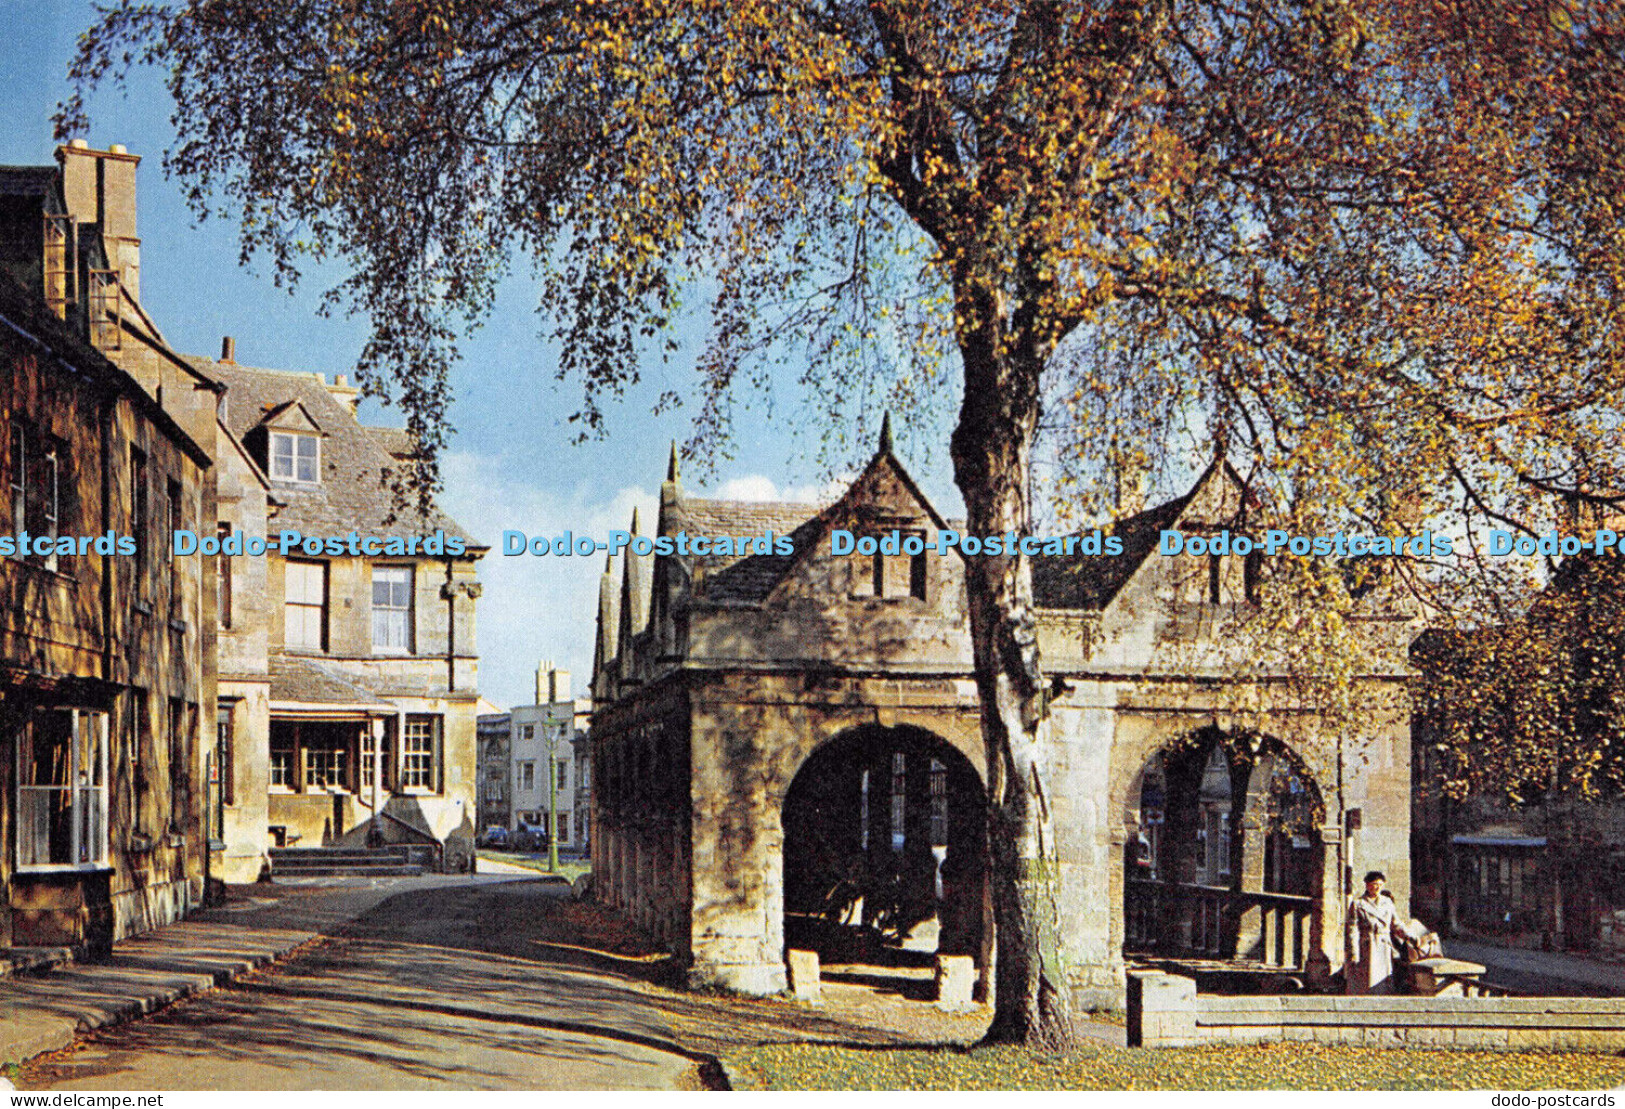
x=1166 y=1011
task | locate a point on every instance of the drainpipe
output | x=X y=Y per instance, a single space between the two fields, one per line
x=449 y=591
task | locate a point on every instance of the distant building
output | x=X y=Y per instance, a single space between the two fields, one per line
x=362 y=730
x=543 y=756
x=1549 y=872
x=581 y=807
x=523 y=750
x=344 y=706
x=495 y=771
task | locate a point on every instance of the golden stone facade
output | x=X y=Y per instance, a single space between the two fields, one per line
x=789 y=744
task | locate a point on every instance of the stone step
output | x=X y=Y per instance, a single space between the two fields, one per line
x=369 y=862
x=337 y=854
x=356 y=870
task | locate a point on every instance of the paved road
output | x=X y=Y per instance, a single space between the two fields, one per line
x=431 y=989
x=1542 y=972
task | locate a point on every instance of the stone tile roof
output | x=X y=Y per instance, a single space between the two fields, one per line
x=1091 y=581
x=353 y=494
x=396 y=442
x=726 y=579
x=1079 y=582
x=309 y=682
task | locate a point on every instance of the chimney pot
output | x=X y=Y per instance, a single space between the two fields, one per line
x=228 y=349
x=117 y=148
x=78 y=144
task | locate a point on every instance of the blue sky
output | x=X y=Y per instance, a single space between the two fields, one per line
x=511 y=463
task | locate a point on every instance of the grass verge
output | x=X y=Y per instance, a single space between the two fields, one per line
x=538 y=863
x=1294 y=1066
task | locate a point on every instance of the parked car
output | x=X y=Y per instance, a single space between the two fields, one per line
x=494 y=836
x=528 y=837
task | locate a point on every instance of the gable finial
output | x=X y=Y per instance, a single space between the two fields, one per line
x=671 y=467
x=609 y=564
x=885 y=432
x=635 y=530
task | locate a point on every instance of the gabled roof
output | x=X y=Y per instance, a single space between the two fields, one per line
x=1093 y=581
x=748 y=579
x=741 y=579
x=274 y=417
x=354 y=492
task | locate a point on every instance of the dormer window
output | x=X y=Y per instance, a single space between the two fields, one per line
x=295 y=457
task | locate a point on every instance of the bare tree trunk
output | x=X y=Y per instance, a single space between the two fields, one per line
x=992 y=450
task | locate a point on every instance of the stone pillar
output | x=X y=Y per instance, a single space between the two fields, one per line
x=879 y=864
x=1182 y=775
x=1326 y=915
x=736 y=931
x=1250 y=877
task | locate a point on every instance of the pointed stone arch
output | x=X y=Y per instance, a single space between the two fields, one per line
x=884 y=831
x=1225 y=853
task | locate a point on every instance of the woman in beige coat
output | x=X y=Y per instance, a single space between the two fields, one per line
x=1374 y=928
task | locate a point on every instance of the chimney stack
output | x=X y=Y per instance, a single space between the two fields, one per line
x=99 y=187
x=342 y=391
x=228 y=349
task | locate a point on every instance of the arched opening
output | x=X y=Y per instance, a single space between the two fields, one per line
x=883 y=850
x=1225 y=859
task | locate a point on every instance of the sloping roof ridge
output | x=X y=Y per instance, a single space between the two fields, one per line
x=885 y=454
x=28 y=317
x=812 y=507
x=241 y=451
x=272 y=411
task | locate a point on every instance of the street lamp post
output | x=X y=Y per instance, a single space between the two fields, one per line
x=552 y=799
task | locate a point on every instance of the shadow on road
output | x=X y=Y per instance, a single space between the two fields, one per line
x=468 y=985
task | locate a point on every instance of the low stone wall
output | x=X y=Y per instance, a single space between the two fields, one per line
x=1164 y=1010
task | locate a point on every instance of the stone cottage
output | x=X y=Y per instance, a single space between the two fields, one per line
x=787 y=743
x=349 y=674
x=106 y=666
x=345 y=702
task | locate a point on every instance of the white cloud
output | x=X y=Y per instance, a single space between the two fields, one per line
x=760 y=487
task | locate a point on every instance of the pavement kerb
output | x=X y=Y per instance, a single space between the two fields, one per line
x=32 y=1029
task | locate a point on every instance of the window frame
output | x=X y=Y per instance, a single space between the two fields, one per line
x=283 y=771
x=421 y=764
x=295 y=439
x=223 y=531
x=18 y=478
x=406 y=613
x=322 y=609
x=85 y=800
x=34 y=484
x=375 y=748
x=175 y=510
x=324 y=767
x=141 y=519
